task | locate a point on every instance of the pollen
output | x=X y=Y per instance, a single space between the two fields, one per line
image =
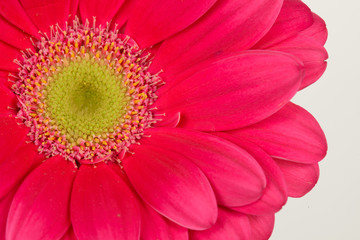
x=86 y=93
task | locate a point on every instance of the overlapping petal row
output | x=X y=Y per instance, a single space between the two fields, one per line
x=229 y=151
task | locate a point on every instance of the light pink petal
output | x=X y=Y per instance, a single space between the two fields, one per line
x=14 y=167
x=275 y=194
x=12 y=135
x=230 y=225
x=234 y=92
x=154 y=226
x=235 y=176
x=292 y=134
x=294 y=17
x=261 y=226
x=13 y=12
x=46 y=13
x=5 y=203
x=13 y=36
x=300 y=178
x=103 y=10
x=173 y=185
x=229 y=26
x=103 y=206
x=40 y=209
x=8 y=55
x=152 y=21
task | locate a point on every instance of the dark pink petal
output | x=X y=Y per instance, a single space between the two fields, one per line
x=13 y=12
x=230 y=25
x=5 y=203
x=13 y=36
x=154 y=226
x=173 y=185
x=15 y=166
x=235 y=176
x=275 y=194
x=103 y=206
x=230 y=225
x=46 y=13
x=234 y=92
x=261 y=226
x=8 y=55
x=294 y=17
x=40 y=209
x=8 y=101
x=103 y=10
x=152 y=21
x=292 y=134
x=12 y=135
x=300 y=178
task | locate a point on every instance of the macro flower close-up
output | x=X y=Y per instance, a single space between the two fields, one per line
x=147 y=119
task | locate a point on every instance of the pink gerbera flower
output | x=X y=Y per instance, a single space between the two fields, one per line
x=155 y=119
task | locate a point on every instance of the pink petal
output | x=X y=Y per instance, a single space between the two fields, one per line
x=5 y=77
x=12 y=135
x=300 y=178
x=173 y=185
x=318 y=31
x=294 y=17
x=170 y=121
x=40 y=209
x=244 y=98
x=14 y=167
x=311 y=53
x=46 y=13
x=229 y=225
x=13 y=36
x=103 y=10
x=123 y=14
x=301 y=33
x=235 y=176
x=5 y=203
x=229 y=26
x=275 y=194
x=8 y=55
x=154 y=226
x=261 y=226
x=69 y=235
x=74 y=8
x=292 y=134
x=103 y=206
x=152 y=21
x=13 y=12
x=8 y=101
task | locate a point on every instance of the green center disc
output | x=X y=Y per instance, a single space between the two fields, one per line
x=85 y=98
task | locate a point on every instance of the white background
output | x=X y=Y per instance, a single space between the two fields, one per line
x=331 y=211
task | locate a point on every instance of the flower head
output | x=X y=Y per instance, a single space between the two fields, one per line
x=155 y=119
